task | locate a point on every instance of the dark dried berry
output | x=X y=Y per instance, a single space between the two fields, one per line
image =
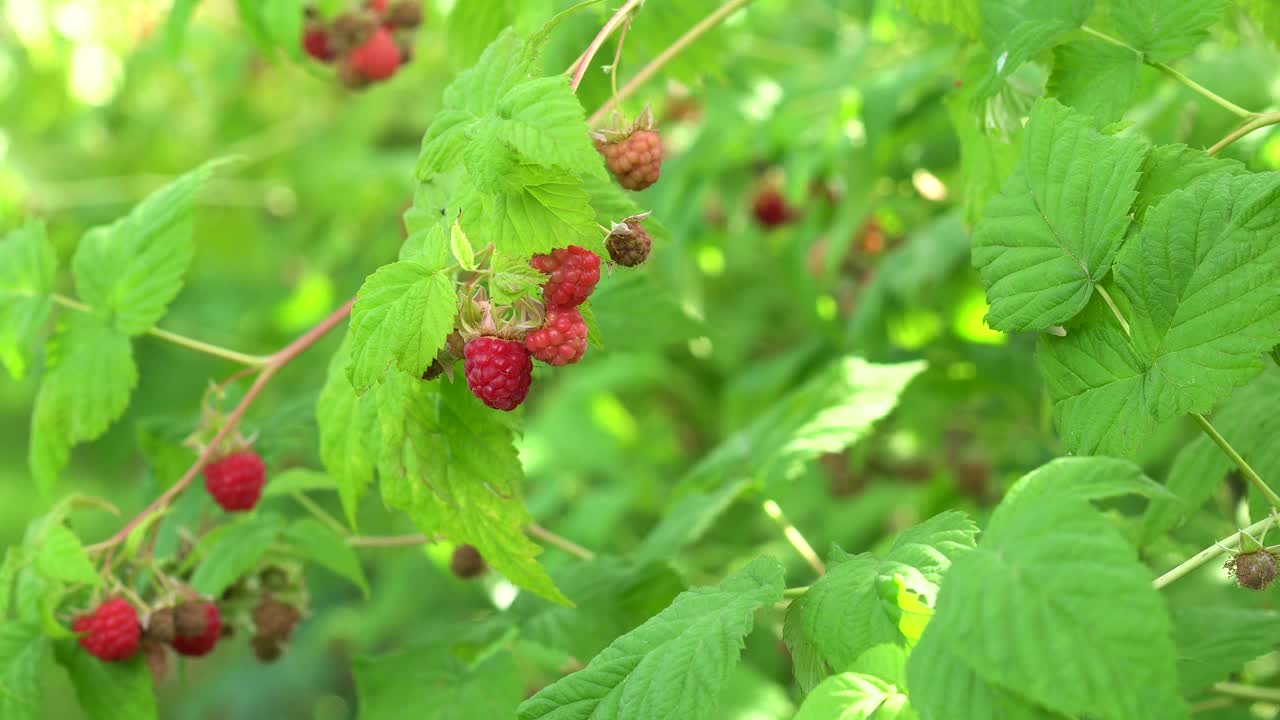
x=275 y=620
x=190 y=619
x=1253 y=570
x=466 y=562
x=266 y=649
x=160 y=626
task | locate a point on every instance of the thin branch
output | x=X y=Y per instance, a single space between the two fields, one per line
x=1162 y=67
x=176 y=339
x=1254 y=123
x=1248 y=692
x=579 y=67
x=1245 y=469
x=793 y=536
x=375 y=541
x=656 y=64
x=555 y=540
x=273 y=365
x=321 y=514
x=1209 y=553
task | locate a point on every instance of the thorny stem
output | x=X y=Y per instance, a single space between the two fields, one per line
x=656 y=64
x=793 y=536
x=1209 y=553
x=176 y=339
x=1162 y=67
x=579 y=68
x=1245 y=469
x=273 y=365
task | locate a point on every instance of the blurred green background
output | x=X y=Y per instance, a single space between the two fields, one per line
x=840 y=106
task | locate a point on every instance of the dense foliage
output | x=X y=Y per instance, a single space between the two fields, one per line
x=824 y=359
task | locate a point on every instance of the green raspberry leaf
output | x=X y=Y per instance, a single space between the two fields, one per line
x=1214 y=642
x=1096 y=77
x=445 y=142
x=855 y=606
x=131 y=270
x=1017 y=30
x=673 y=665
x=546 y=209
x=963 y=15
x=348 y=425
x=61 y=556
x=451 y=464
x=232 y=551
x=478 y=89
x=986 y=157
x=86 y=389
x=1171 y=167
x=1056 y=585
x=402 y=315
x=430 y=683
x=22 y=651
x=1054 y=230
x=1165 y=30
x=1202 y=281
x=27 y=267
x=854 y=696
x=108 y=690
x=543 y=120
x=321 y=545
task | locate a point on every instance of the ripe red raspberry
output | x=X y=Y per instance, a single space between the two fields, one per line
x=316 y=43
x=636 y=160
x=561 y=340
x=236 y=480
x=498 y=371
x=628 y=244
x=201 y=643
x=376 y=58
x=110 y=632
x=574 y=273
x=771 y=209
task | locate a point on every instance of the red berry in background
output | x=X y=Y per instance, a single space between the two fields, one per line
x=378 y=6
x=236 y=481
x=200 y=644
x=770 y=208
x=376 y=58
x=111 y=631
x=561 y=340
x=498 y=371
x=316 y=43
x=574 y=272
x=635 y=160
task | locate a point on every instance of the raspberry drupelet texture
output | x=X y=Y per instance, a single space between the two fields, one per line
x=236 y=481
x=317 y=44
x=111 y=631
x=561 y=340
x=629 y=248
x=498 y=371
x=636 y=160
x=197 y=644
x=574 y=272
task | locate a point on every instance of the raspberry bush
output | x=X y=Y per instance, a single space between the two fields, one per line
x=631 y=359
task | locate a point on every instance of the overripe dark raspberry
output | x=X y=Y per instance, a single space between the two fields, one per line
x=236 y=481
x=628 y=244
x=466 y=562
x=275 y=620
x=498 y=371
x=636 y=160
x=561 y=340
x=195 y=644
x=111 y=631
x=376 y=58
x=157 y=658
x=405 y=15
x=1253 y=570
x=350 y=30
x=574 y=272
x=316 y=43
x=266 y=649
x=190 y=618
x=160 y=625
x=771 y=209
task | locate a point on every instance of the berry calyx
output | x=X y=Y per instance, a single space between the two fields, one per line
x=574 y=272
x=628 y=242
x=236 y=480
x=376 y=58
x=444 y=360
x=466 y=562
x=498 y=371
x=316 y=44
x=196 y=644
x=1253 y=570
x=635 y=159
x=110 y=632
x=771 y=209
x=562 y=340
